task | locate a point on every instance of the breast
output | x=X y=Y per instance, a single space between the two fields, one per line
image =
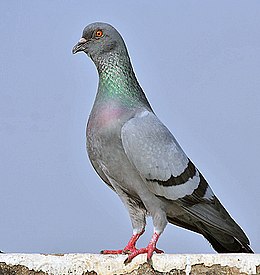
x=105 y=149
x=104 y=132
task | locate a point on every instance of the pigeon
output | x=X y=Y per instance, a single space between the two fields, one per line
x=136 y=155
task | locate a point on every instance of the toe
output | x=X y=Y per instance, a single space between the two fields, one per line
x=111 y=251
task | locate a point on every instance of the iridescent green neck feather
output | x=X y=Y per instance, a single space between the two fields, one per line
x=117 y=80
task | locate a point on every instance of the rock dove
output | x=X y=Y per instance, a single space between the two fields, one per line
x=136 y=155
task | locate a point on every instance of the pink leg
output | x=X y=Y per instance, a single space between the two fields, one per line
x=151 y=247
x=130 y=247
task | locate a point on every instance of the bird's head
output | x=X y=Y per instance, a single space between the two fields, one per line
x=99 y=39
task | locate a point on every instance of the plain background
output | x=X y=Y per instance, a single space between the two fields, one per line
x=198 y=63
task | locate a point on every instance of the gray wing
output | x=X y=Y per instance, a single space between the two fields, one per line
x=159 y=159
x=170 y=175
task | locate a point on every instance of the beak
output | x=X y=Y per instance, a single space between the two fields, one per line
x=80 y=46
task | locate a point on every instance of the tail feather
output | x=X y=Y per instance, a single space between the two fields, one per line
x=224 y=242
x=223 y=233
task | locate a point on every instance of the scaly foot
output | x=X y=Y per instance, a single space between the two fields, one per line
x=130 y=247
x=151 y=247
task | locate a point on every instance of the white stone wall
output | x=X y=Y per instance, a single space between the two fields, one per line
x=114 y=264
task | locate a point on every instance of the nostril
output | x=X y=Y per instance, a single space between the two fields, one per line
x=82 y=40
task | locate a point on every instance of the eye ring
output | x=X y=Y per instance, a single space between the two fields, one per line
x=99 y=33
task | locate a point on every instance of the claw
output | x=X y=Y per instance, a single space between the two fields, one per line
x=158 y=251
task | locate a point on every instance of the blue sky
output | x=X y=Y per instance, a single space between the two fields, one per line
x=198 y=63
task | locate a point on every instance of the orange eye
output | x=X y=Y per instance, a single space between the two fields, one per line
x=99 y=33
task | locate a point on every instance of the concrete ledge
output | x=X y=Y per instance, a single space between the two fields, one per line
x=83 y=264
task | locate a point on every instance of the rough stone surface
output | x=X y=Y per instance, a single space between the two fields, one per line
x=17 y=269
x=94 y=264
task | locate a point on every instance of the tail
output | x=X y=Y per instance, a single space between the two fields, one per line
x=216 y=225
x=226 y=243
